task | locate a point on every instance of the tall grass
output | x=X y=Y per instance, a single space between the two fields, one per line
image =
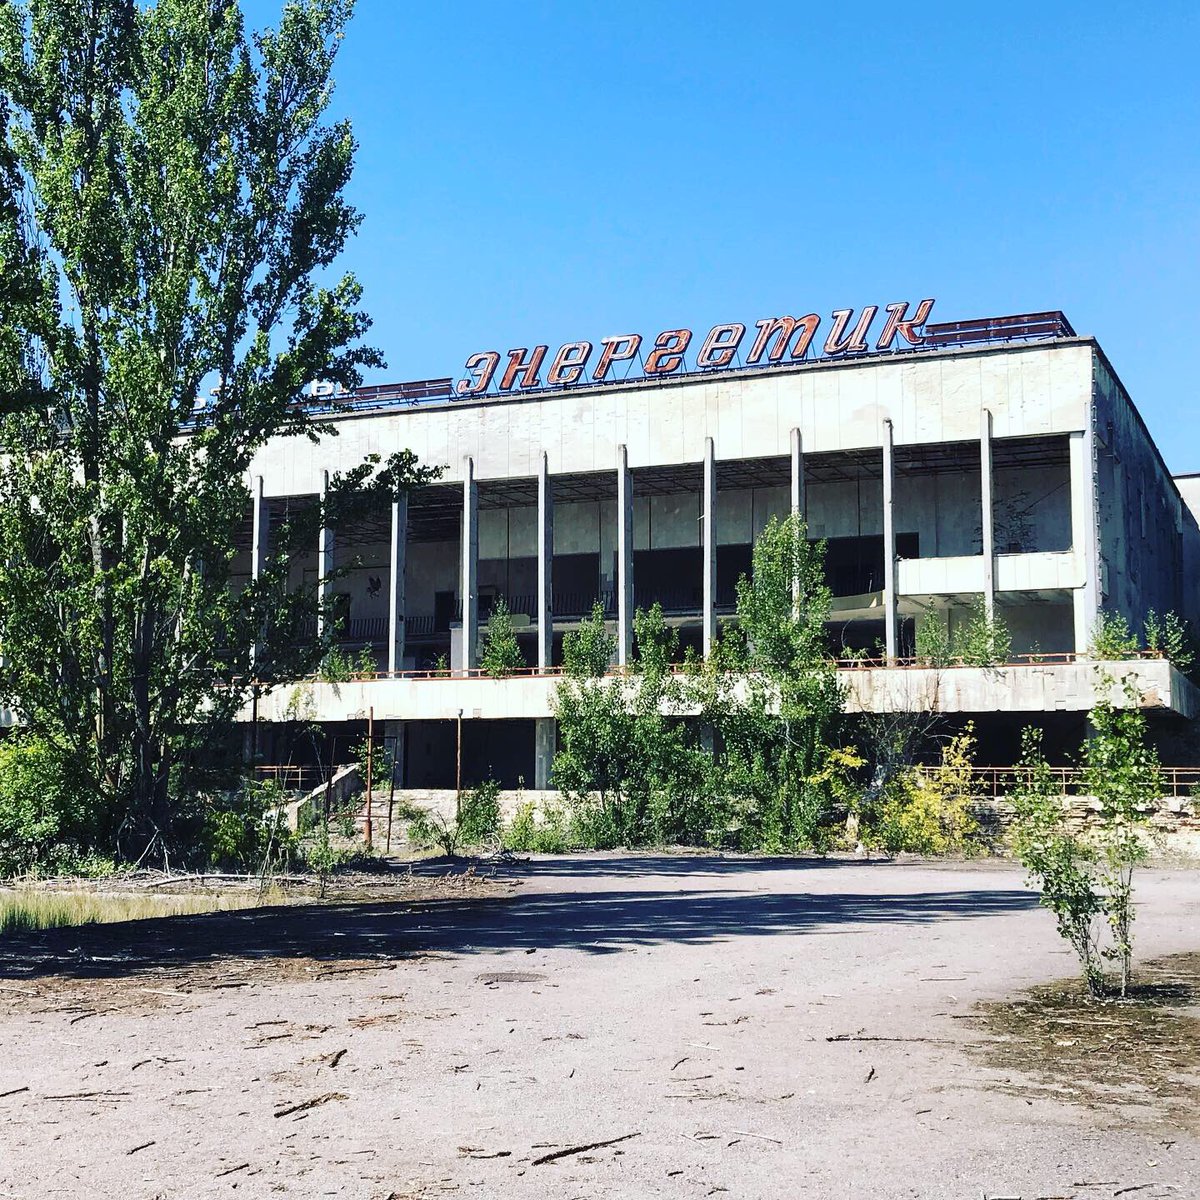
x=27 y=909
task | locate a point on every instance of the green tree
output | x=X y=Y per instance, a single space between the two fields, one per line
x=501 y=652
x=983 y=639
x=1086 y=877
x=588 y=651
x=1121 y=770
x=775 y=699
x=1060 y=862
x=630 y=763
x=1112 y=640
x=171 y=205
x=1173 y=638
x=46 y=815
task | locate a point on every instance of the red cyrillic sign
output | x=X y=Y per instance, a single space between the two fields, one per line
x=775 y=340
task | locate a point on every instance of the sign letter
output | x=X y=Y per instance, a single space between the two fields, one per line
x=838 y=343
x=667 y=355
x=568 y=363
x=721 y=345
x=897 y=324
x=523 y=366
x=619 y=348
x=482 y=367
x=782 y=329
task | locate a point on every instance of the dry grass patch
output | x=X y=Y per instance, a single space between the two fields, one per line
x=31 y=909
x=1143 y=1051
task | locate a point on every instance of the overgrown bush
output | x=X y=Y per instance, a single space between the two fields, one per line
x=340 y=666
x=1173 y=639
x=48 y=822
x=930 y=811
x=775 y=700
x=501 y=653
x=476 y=823
x=1085 y=876
x=245 y=830
x=539 y=832
x=933 y=641
x=983 y=640
x=1112 y=640
x=633 y=771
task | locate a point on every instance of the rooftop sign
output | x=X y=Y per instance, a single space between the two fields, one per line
x=776 y=339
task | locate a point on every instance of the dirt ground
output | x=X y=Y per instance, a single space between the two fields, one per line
x=604 y=1026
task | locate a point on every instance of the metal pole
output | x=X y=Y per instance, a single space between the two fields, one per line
x=254 y=730
x=458 y=772
x=391 y=794
x=370 y=767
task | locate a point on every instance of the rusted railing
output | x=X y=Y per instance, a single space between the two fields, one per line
x=843 y=664
x=998 y=782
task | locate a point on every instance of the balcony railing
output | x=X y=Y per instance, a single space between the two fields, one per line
x=842 y=664
x=995 y=783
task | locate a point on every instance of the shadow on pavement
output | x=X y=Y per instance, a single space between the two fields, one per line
x=595 y=922
x=620 y=864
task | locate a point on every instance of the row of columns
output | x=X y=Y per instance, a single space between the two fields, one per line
x=624 y=581
x=1083 y=522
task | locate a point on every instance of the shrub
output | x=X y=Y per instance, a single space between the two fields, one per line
x=1086 y=878
x=46 y=822
x=501 y=653
x=477 y=822
x=984 y=640
x=1173 y=639
x=933 y=641
x=479 y=814
x=588 y=651
x=245 y=830
x=1058 y=861
x=1112 y=639
x=929 y=812
x=540 y=833
x=339 y=666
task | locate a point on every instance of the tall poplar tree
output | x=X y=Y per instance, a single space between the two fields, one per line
x=171 y=203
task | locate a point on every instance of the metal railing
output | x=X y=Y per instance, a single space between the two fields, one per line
x=842 y=664
x=996 y=783
x=291 y=777
x=992 y=783
x=1022 y=327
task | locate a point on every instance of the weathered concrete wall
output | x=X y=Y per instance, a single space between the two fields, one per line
x=837 y=404
x=1141 y=514
x=1035 y=688
x=1060 y=687
x=1189 y=490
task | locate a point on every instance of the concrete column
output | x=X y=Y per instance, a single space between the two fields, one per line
x=261 y=521
x=544 y=736
x=396 y=584
x=545 y=578
x=1085 y=535
x=325 y=561
x=470 y=569
x=624 y=559
x=986 y=517
x=709 y=615
x=799 y=505
x=889 y=543
x=259 y=540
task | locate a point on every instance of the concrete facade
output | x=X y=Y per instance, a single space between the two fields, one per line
x=1017 y=472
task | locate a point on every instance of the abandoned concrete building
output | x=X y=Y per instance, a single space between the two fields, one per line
x=998 y=458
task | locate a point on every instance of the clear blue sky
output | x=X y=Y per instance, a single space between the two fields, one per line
x=541 y=172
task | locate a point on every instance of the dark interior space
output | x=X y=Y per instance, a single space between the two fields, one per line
x=499 y=750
